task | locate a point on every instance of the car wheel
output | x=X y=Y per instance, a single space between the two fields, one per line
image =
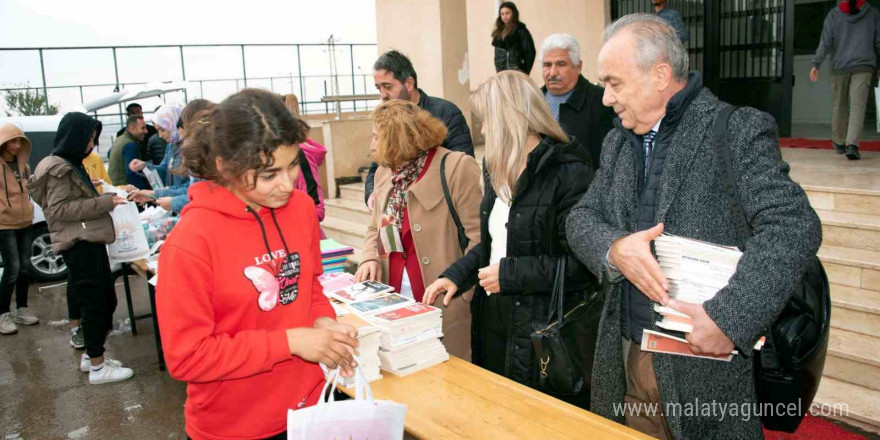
x=45 y=264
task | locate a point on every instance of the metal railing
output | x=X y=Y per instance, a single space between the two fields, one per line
x=310 y=102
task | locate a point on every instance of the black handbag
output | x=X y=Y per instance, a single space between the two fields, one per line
x=789 y=366
x=565 y=347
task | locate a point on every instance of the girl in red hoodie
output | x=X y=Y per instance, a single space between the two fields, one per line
x=242 y=315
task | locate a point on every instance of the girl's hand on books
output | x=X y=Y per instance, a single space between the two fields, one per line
x=489 y=279
x=331 y=348
x=436 y=288
x=369 y=270
x=632 y=256
x=706 y=338
x=331 y=324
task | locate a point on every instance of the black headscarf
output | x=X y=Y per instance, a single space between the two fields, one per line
x=72 y=138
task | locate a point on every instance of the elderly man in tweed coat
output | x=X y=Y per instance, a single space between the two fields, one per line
x=659 y=173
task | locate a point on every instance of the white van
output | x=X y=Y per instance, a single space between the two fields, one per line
x=47 y=266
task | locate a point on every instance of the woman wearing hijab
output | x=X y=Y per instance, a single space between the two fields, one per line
x=173 y=125
x=79 y=227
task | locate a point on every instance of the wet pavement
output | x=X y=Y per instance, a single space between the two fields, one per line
x=43 y=395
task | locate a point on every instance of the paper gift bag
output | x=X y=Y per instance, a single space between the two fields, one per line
x=877 y=105
x=131 y=241
x=356 y=419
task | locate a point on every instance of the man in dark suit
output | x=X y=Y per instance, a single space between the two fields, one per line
x=660 y=174
x=575 y=103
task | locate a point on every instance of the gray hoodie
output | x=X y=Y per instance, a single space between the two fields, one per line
x=854 y=40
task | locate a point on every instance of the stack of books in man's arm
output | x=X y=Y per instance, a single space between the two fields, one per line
x=696 y=271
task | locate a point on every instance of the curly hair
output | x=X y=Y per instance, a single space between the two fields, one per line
x=244 y=130
x=404 y=130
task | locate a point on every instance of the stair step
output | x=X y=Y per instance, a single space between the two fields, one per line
x=853 y=357
x=852 y=404
x=851 y=267
x=843 y=199
x=857 y=231
x=854 y=298
x=346 y=232
x=352 y=191
x=351 y=210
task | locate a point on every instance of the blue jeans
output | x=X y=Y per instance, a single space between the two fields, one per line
x=15 y=248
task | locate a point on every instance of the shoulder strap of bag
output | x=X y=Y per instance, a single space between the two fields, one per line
x=557 y=305
x=462 y=237
x=311 y=183
x=728 y=182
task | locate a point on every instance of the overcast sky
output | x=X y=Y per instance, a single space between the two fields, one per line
x=56 y=23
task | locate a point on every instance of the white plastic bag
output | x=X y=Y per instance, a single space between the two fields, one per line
x=153 y=178
x=131 y=241
x=359 y=418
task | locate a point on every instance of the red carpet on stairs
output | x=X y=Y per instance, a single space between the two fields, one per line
x=823 y=144
x=814 y=428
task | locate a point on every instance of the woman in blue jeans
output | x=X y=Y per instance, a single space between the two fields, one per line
x=16 y=216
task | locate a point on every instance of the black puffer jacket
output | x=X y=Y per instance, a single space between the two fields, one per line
x=516 y=51
x=556 y=177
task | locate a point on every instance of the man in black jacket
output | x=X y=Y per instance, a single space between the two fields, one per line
x=574 y=102
x=396 y=79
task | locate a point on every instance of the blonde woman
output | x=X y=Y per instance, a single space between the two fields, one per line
x=535 y=176
x=411 y=208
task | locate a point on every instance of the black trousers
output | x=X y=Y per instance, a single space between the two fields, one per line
x=15 y=248
x=90 y=283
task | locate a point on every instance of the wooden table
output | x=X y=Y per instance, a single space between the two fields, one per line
x=458 y=400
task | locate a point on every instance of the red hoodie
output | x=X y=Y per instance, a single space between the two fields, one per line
x=224 y=302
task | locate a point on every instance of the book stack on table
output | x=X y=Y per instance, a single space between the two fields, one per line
x=408 y=332
x=334 y=255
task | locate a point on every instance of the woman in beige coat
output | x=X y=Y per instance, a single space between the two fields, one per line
x=412 y=237
x=16 y=216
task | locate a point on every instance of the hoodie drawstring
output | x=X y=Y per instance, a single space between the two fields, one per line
x=263 y=230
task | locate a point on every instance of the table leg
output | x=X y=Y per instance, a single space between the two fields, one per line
x=159 y=352
x=131 y=318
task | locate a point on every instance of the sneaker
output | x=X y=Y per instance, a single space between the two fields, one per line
x=22 y=316
x=85 y=365
x=7 y=324
x=77 y=340
x=838 y=148
x=109 y=373
x=852 y=152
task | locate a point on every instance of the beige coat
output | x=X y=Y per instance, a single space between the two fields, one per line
x=74 y=211
x=435 y=235
x=16 y=210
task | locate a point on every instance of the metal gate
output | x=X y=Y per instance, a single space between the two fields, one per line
x=743 y=48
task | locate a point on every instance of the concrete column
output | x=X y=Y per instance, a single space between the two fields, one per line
x=434 y=35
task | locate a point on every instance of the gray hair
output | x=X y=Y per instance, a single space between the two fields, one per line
x=656 y=41
x=562 y=42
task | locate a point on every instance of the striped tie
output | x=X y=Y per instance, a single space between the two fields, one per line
x=648 y=142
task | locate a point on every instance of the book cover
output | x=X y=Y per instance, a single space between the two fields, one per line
x=359 y=291
x=379 y=304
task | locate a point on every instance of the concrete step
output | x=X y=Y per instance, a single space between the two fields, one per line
x=351 y=210
x=851 y=267
x=854 y=358
x=853 y=404
x=856 y=310
x=352 y=191
x=843 y=199
x=852 y=230
x=344 y=231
